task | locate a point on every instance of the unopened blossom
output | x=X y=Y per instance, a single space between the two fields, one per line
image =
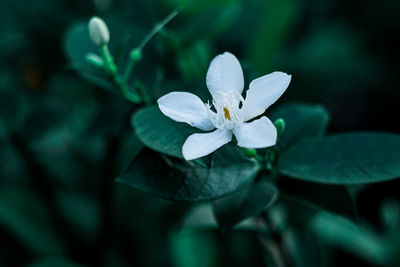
x=98 y=31
x=230 y=113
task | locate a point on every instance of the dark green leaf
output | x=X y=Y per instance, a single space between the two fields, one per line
x=194 y=249
x=344 y=159
x=245 y=203
x=161 y=133
x=130 y=147
x=12 y=113
x=338 y=231
x=81 y=212
x=14 y=170
x=25 y=216
x=181 y=180
x=302 y=121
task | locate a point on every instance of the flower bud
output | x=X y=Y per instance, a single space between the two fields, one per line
x=280 y=126
x=136 y=54
x=250 y=152
x=95 y=60
x=98 y=31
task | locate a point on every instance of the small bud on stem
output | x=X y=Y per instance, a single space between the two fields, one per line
x=250 y=152
x=136 y=54
x=280 y=126
x=95 y=60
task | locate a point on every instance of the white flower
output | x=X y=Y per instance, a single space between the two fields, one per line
x=225 y=83
x=98 y=31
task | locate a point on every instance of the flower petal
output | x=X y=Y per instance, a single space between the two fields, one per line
x=224 y=76
x=263 y=92
x=201 y=144
x=186 y=107
x=256 y=134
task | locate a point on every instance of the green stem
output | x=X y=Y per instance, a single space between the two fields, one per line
x=129 y=69
x=131 y=96
x=122 y=82
x=109 y=61
x=269 y=158
x=112 y=69
x=158 y=27
x=143 y=92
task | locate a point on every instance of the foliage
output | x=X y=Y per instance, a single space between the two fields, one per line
x=92 y=172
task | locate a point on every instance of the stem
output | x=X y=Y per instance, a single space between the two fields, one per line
x=129 y=69
x=110 y=65
x=112 y=68
x=142 y=90
x=122 y=82
x=131 y=96
x=158 y=27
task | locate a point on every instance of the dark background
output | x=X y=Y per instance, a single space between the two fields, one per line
x=63 y=139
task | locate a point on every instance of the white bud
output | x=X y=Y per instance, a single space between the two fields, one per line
x=98 y=31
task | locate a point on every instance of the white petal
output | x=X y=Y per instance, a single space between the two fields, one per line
x=186 y=107
x=224 y=76
x=201 y=144
x=256 y=134
x=263 y=92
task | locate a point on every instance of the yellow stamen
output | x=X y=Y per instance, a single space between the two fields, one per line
x=226 y=114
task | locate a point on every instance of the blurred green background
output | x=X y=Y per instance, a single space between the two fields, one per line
x=63 y=139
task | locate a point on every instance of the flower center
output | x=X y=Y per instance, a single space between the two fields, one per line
x=227 y=110
x=226 y=113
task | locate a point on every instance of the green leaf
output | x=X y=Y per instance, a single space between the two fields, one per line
x=245 y=203
x=338 y=231
x=301 y=121
x=194 y=249
x=12 y=112
x=181 y=180
x=199 y=217
x=160 y=133
x=81 y=212
x=344 y=159
x=24 y=215
x=130 y=147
